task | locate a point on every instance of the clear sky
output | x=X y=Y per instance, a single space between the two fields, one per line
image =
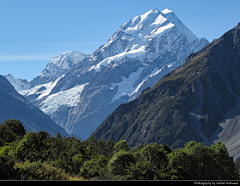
x=34 y=31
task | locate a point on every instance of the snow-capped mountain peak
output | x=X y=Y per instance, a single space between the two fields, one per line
x=133 y=39
x=63 y=61
x=58 y=66
x=149 y=13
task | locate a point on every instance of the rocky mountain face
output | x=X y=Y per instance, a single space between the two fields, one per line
x=15 y=106
x=137 y=56
x=197 y=101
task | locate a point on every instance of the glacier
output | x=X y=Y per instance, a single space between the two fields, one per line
x=68 y=98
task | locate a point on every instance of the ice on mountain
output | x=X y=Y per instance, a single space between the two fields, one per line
x=134 y=19
x=149 y=13
x=171 y=17
x=159 y=20
x=126 y=86
x=144 y=80
x=48 y=89
x=44 y=92
x=62 y=59
x=58 y=66
x=162 y=29
x=136 y=53
x=69 y=97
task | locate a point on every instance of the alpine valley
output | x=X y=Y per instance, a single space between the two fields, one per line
x=79 y=91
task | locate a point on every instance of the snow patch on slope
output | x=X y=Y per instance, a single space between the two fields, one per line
x=126 y=86
x=135 y=53
x=41 y=90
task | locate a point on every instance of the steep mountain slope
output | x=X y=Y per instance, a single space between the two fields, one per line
x=15 y=106
x=137 y=56
x=197 y=101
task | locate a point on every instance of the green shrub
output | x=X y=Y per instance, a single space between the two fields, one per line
x=122 y=145
x=141 y=171
x=120 y=161
x=7 y=170
x=10 y=131
x=197 y=161
x=40 y=171
x=91 y=168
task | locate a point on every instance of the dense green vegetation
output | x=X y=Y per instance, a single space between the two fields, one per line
x=40 y=156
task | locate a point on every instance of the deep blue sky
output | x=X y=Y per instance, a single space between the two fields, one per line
x=34 y=31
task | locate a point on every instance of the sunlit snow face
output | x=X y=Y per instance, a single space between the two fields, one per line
x=138 y=33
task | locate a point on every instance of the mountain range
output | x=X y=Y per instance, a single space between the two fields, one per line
x=153 y=81
x=79 y=91
x=197 y=101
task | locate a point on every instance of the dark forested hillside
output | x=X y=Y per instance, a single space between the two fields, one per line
x=186 y=104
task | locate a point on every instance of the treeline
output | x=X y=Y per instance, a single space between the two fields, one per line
x=40 y=156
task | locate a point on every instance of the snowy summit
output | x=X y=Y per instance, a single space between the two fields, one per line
x=58 y=66
x=134 y=37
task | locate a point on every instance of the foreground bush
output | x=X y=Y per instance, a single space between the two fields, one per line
x=40 y=171
x=199 y=162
